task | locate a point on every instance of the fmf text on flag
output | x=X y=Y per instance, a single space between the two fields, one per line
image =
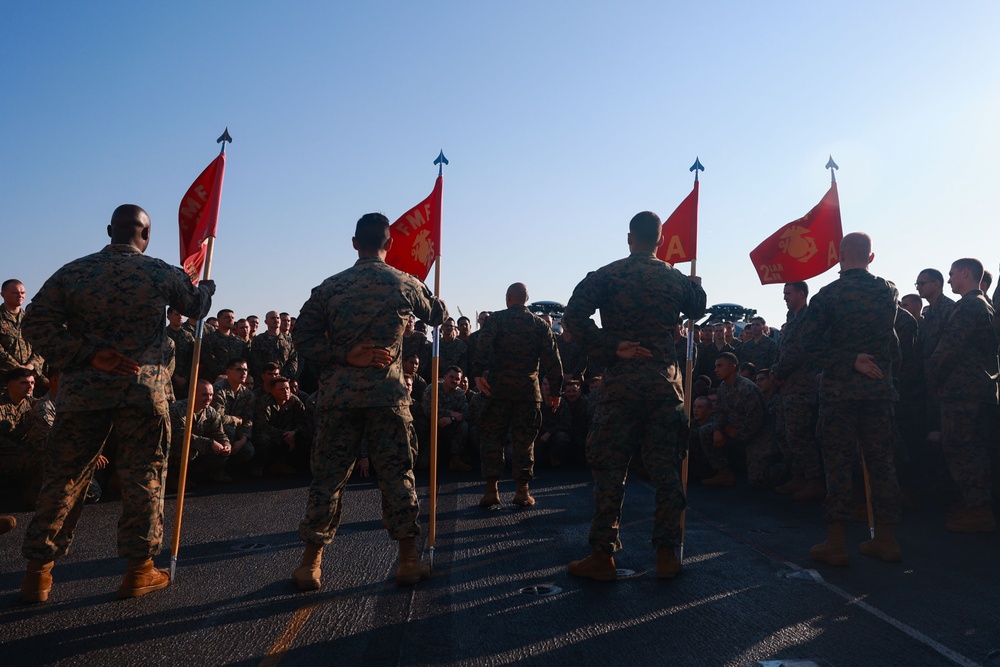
x=680 y=232
x=199 y=216
x=803 y=248
x=416 y=236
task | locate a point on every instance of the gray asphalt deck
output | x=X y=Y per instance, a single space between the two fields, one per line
x=742 y=597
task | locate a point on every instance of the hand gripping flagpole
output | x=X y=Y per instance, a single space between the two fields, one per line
x=192 y=388
x=440 y=161
x=688 y=383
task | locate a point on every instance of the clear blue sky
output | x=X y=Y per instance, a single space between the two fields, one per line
x=561 y=120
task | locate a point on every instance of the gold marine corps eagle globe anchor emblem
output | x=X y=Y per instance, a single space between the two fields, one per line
x=797 y=245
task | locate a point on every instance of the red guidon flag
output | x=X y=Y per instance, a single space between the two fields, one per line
x=199 y=216
x=416 y=236
x=680 y=232
x=803 y=248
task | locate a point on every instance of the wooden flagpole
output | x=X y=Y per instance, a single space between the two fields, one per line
x=688 y=385
x=192 y=389
x=441 y=161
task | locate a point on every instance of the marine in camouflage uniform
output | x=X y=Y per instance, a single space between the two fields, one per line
x=218 y=348
x=15 y=453
x=100 y=320
x=761 y=352
x=640 y=401
x=741 y=417
x=14 y=349
x=183 y=355
x=848 y=331
x=963 y=373
x=277 y=348
x=451 y=349
x=352 y=329
x=934 y=319
x=453 y=410
x=797 y=375
x=512 y=345
x=206 y=431
x=238 y=408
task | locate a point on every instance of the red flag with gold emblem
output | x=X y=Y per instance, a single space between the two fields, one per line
x=199 y=216
x=803 y=248
x=416 y=236
x=680 y=232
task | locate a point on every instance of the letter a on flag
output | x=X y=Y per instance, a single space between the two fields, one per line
x=680 y=232
x=416 y=236
x=803 y=248
x=199 y=216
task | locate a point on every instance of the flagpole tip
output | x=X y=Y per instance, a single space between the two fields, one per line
x=696 y=167
x=831 y=165
x=441 y=161
x=224 y=139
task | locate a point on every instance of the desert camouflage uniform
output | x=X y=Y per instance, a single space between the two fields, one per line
x=963 y=373
x=761 y=353
x=852 y=315
x=640 y=402
x=452 y=353
x=115 y=298
x=15 y=453
x=14 y=349
x=743 y=405
x=932 y=324
x=799 y=396
x=275 y=348
x=240 y=403
x=361 y=407
x=183 y=351
x=271 y=424
x=37 y=426
x=217 y=349
x=417 y=343
x=455 y=433
x=206 y=429
x=511 y=346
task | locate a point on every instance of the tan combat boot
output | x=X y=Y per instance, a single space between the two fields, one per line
x=142 y=578
x=976 y=520
x=522 y=496
x=723 y=478
x=410 y=570
x=306 y=575
x=37 y=581
x=791 y=486
x=667 y=565
x=492 y=495
x=458 y=465
x=833 y=551
x=814 y=489
x=598 y=565
x=884 y=546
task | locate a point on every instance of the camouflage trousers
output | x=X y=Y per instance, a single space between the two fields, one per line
x=800 y=437
x=760 y=452
x=522 y=419
x=341 y=436
x=76 y=440
x=964 y=439
x=660 y=430
x=843 y=427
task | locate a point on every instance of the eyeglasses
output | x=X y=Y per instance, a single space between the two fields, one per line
x=921 y=283
x=241 y=370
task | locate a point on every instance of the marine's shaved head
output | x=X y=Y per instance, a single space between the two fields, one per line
x=130 y=226
x=517 y=294
x=856 y=250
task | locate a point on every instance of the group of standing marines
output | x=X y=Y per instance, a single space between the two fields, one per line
x=100 y=320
